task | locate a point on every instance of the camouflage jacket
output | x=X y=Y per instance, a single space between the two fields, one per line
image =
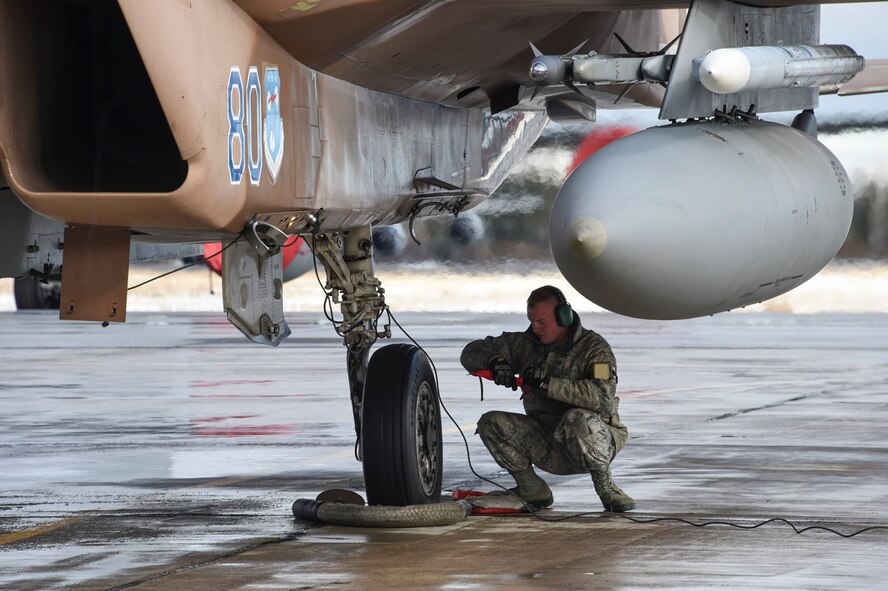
x=582 y=373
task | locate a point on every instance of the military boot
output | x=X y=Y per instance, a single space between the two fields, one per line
x=531 y=489
x=611 y=496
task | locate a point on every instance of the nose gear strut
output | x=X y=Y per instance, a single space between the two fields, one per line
x=347 y=257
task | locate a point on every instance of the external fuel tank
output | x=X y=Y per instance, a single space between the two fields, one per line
x=691 y=219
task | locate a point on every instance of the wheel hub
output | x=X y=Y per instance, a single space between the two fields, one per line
x=427 y=437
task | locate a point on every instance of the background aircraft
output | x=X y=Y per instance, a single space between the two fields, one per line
x=252 y=122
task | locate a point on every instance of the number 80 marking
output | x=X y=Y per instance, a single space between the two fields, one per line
x=244 y=132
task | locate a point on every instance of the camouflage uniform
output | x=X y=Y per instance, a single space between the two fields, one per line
x=571 y=428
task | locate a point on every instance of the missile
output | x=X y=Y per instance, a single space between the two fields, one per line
x=551 y=69
x=547 y=69
x=729 y=70
x=696 y=218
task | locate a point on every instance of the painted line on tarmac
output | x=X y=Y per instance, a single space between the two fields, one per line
x=642 y=393
x=17 y=536
x=220 y=482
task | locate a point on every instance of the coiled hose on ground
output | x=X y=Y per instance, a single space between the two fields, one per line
x=431 y=515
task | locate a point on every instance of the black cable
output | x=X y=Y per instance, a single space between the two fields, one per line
x=796 y=529
x=533 y=513
x=328 y=297
x=198 y=262
x=314 y=258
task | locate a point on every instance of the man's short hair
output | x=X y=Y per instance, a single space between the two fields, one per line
x=543 y=294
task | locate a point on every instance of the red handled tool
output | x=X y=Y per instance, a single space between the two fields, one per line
x=488 y=375
x=459 y=494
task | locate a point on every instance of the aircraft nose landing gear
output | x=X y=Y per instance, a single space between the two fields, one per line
x=394 y=395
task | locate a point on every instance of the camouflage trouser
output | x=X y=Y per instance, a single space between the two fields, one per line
x=581 y=442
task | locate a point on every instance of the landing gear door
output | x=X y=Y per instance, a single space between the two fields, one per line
x=252 y=288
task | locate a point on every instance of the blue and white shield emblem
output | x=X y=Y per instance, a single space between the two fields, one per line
x=273 y=137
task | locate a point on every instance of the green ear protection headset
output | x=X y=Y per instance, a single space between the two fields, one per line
x=564 y=315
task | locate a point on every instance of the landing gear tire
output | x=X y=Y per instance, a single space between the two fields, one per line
x=33 y=294
x=401 y=428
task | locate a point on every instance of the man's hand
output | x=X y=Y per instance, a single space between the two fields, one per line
x=536 y=377
x=503 y=374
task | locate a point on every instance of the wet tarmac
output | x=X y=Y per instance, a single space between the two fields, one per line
x=165 y=454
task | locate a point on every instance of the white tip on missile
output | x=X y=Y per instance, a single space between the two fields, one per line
x=587 y=237
x=724 y=71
